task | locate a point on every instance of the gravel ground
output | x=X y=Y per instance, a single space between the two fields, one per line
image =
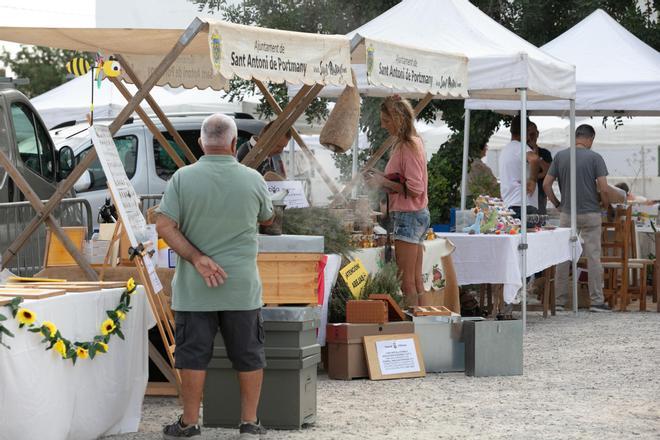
x=597 y=376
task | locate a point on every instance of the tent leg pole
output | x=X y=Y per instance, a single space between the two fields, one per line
x=523 y=202
x=466 y=154
x=573 y=171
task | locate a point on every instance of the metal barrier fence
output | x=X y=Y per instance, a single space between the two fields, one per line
x=148 y=201
x=14 y=217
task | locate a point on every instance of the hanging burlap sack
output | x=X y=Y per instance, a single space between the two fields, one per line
x=341 y=128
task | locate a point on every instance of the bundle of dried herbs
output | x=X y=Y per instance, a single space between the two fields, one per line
x=319 y=221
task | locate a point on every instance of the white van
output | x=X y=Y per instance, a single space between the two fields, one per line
x=147 y=164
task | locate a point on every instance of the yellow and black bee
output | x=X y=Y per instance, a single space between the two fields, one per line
x=78 y=66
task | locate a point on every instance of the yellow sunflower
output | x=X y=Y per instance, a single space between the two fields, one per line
x=130 y=285
x=104 y=347
x=107 y=327
x=26 y=316
x=60 y=347
x=52 y=328
x=121 y=315
x=82 y=353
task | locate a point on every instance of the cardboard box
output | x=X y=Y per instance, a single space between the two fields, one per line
x=95 y=251
x=346 y=358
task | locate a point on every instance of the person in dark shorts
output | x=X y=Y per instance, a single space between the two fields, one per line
x=209 y=216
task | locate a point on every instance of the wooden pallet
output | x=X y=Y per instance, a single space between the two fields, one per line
x=30 y=293
x=73 y=286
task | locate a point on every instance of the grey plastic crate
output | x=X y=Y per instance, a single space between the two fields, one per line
x=288 y=394
x=442 y=342
x=493 y=348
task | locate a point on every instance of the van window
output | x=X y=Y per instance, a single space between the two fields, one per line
x=165 y=166
x=34 y=145
x=127 y=147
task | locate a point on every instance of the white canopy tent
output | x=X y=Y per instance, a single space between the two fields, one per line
x=71 y=101
x=617 y=74
x=501 y=65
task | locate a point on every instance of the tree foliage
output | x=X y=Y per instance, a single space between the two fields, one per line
x=537 y=21
x=43 y=66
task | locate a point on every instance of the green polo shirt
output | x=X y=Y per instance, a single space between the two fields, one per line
x=217 y=203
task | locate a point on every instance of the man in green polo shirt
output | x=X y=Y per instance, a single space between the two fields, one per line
x=209 y=216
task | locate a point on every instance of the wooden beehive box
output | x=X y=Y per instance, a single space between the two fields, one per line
x=289 y=278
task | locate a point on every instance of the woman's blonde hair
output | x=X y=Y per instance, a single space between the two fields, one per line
x=403 y=116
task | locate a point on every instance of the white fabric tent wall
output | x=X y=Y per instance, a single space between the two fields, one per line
x=71 y=101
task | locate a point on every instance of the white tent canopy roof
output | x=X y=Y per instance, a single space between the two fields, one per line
x=71 y=101
x=616 y=72
x=499 y=62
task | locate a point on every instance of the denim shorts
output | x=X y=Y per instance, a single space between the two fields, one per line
x=411 y=226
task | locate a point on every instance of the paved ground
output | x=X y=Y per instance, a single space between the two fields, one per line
x=595 y=376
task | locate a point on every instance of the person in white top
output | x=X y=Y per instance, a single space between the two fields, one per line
x=511 y=182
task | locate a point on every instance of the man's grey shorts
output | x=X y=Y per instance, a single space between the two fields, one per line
x=242 y=331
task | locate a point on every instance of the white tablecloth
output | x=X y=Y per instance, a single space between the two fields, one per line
x=495 y=259
x=45 y=397
x=373 y=259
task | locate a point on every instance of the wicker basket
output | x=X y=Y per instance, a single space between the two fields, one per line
x=341 y=128
x=366 y=312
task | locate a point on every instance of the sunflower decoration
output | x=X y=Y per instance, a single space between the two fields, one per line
x=60 y=347
x=103 y=347
x=130 y=285
x=82 y=353
x=65 y=348
x=108 y=327
x=25 y=317
x=48 y=329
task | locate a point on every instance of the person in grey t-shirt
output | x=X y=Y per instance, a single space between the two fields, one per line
x=591 y=177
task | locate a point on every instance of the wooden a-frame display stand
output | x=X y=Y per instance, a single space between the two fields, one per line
x=162 y=314
x=284 y=121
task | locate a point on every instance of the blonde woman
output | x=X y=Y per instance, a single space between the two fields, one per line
x=406 y=182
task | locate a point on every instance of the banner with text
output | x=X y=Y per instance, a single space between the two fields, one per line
x=270 y=55
x=409 y=69
x=188 y=71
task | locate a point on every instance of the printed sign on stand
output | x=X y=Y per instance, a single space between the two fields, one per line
x=296 y=196
x=355 y=276
x=394 y=356
x=124 y=195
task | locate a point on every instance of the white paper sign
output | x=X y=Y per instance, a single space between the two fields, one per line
x=123 y=193
x=415 y=70
x=277 y=56
x=296 y=197
x=397 y=356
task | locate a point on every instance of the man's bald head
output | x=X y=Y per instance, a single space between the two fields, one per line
x=218 y=134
